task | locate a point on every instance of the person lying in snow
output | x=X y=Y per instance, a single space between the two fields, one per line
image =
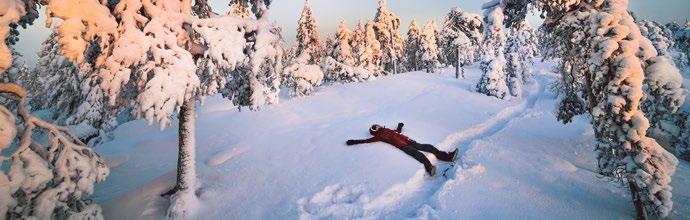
x=407 y=145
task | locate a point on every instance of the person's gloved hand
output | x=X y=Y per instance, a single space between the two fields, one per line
x=401 y=124
x=350 y=142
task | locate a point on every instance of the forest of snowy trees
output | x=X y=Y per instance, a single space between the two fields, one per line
x=136 y=59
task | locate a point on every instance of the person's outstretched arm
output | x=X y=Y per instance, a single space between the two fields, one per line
x=399 y=129
x=370 y=140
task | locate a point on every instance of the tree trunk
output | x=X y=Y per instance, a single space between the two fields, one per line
x=186 y=169
x=635 y=193
x=457 y=63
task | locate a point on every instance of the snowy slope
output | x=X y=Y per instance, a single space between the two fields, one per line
x=289 y=160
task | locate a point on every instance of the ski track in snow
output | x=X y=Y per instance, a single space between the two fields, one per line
x=414 y=198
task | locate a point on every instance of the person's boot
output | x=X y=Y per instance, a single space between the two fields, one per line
x=431 y=170
x=453 y=155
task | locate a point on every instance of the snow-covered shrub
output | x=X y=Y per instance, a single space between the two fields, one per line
x=301 y=78
x=335 y=71
x=428 y=49
x=493 y=79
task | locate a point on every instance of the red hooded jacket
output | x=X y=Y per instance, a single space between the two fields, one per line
x=392 y=137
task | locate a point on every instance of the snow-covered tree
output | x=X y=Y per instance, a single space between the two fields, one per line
x=412 y=47
x=19 y=73
x=493 y=80
x=614 y=91
x=366 y=49
x=309 y=43
x=357 y=42
x=428 y=48
x=682 y=43
x=70 y=92
x=660 y=36
x=154 y=62
x=386 y=26
x=459 y=39
x=341 y=66
x=521 y=49
x=342 y=51
x=328 y=45
x=47 y=177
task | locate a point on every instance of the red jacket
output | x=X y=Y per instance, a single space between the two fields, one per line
x=392 y=137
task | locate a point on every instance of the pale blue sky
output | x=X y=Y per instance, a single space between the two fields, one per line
x=330 y=12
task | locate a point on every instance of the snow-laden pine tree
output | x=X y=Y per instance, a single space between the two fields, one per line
x=386 y=26
x=412 y=47
x=309 y=44
x=70 y=92
x=521 y=49
x=682 y=43
x=493 y=62
x=615 y=52
x=19 y=73
x=342 y=51
x=662 y=38
x=154 y=63
x=459 y=39
x=304 y=74
x=50 y=176
x=328 y=45
x=428 y=49
x=357 y=42
x=366 y=49
x=340 y=67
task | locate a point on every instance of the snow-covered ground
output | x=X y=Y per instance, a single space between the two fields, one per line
x=289 y=160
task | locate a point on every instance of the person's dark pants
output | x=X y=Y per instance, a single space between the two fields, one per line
x=414 y=149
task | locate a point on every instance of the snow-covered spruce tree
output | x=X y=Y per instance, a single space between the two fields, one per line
x=663 y=41
x=366 y=49
x=412 y=47
x=615 y=84
x=309 y=43
x=682 y=43
x=71 y=94
x=521 y=49
x=493 y=80
x=357 y=42
x=328 y=45
x=459 y=39
x=386 y=26
x=428 y=49
x=342 y=51
x=304 y=73
x=45 y=179
x=18 y=73
x=341 y=66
